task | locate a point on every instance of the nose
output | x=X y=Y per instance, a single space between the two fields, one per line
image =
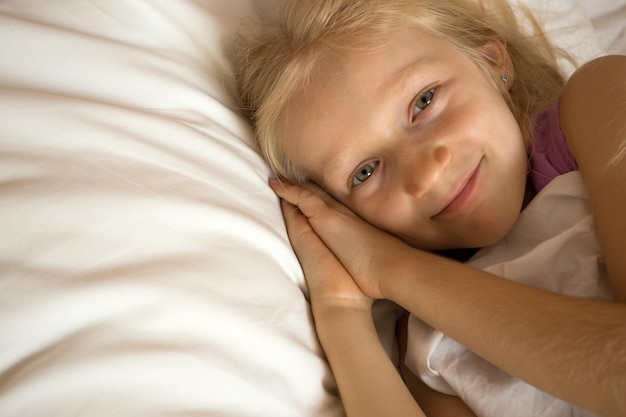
x=423 y=170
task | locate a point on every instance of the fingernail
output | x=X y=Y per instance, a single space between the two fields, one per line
x=276 y=185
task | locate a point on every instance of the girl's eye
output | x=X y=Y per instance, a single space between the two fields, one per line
x=364 y=173
x=422 y=101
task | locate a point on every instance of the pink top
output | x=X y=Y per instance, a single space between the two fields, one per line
x=551 y=156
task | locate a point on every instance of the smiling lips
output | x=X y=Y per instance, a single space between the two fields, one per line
x=463 y=195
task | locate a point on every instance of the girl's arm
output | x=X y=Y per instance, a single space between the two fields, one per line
x=369 y=384
x=574 y=349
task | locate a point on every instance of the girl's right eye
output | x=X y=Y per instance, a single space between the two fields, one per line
x=364 y=173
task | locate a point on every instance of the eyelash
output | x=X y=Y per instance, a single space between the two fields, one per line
x=424 y=99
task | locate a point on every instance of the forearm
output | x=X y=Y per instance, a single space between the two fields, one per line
x=368 y=381
x=572 y=348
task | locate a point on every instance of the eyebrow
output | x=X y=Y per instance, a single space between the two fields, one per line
x=406 y=75
x=333 y=173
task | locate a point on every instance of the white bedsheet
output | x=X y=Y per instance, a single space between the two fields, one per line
x=608 y=18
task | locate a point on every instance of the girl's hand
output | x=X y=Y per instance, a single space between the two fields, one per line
x=368 y=381
x=322 y=225
x=330 y=285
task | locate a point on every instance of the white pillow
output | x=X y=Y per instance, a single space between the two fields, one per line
x=145 y=269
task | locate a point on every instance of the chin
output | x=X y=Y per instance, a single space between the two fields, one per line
x=488 y=241
x=479 y=235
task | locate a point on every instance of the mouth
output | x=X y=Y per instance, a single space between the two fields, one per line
x=462 y=196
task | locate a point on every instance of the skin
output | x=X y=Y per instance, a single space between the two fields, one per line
x=572 y=348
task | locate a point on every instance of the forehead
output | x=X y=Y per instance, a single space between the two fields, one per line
x=347 y=99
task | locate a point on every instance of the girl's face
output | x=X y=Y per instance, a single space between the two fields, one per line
x=416 y=140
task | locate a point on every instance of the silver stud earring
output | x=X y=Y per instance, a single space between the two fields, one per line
x=505 y=79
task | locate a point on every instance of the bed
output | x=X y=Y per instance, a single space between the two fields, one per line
x=144 y=264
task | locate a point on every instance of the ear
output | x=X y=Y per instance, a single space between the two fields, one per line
x=499 y=60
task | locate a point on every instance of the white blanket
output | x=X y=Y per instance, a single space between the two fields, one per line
x=553 y=246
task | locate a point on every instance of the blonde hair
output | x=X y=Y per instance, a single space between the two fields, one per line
x=278 y=55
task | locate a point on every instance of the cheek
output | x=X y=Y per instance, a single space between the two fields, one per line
x=503 y=203
x=400 y=218
x=513 y=153
x=384 y=212
x=497 y=130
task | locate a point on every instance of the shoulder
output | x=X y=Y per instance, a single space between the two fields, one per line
x=594 y=93
x=604 y=73
x=593 y=109
x=609 y=64
x=596 y=69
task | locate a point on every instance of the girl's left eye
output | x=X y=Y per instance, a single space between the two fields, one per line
x=421 y=102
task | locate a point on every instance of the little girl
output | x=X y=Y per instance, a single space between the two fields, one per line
x=423 y=119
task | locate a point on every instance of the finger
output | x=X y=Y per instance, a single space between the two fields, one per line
x=309 y=203
x=318 y=191
x=332 y=226
x=306 y=243
x=348 y=237
x=297 y=224
x=310 y=198
x=316 y=259
x=328 y=281
x=280 y=187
